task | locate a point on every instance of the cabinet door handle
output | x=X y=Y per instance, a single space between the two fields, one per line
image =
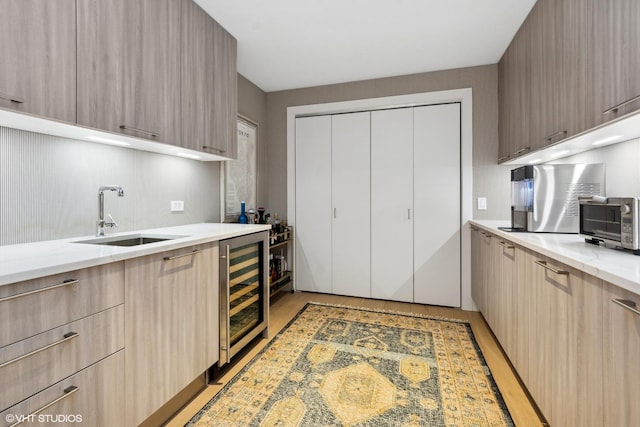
x=550 y=268
x=24 y=294
x=409 y=214
x=12 y=98
x=522 y=150
x=208 y=147
x=503 y=158
x=552 y=136
x=335 y=213
x=628 y=304
x=66 y=337
x=142 y=131
x=67 y=392
x=505 y=245
x=615 y=108
x=169 y=258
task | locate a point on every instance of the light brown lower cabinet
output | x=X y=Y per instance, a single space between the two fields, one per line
x=171 y=325
x=565 y=358
x=575 y=350
x=621 y=356
x=92 y=397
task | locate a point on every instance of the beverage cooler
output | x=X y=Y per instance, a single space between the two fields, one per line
x=244 y=292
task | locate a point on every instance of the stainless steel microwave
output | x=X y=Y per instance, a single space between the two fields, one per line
x=611 y=220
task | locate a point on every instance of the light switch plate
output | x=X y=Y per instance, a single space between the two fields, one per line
x=177 y=206
x=482 y=203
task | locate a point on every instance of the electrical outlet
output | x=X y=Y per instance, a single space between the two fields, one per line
x=177 y=206
x=482 y=203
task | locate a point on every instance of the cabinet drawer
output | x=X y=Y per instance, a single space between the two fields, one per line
x=92 y=397
x=34 y=306
x=31 y=365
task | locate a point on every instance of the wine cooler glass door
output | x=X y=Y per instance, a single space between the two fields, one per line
x=244 y=301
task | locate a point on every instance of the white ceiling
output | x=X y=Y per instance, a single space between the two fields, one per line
x=287 y=44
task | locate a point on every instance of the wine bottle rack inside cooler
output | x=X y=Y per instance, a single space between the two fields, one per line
x=244 y=294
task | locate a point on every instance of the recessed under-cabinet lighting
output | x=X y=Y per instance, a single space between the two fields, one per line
x=108 y=141
x=605 y=140
x=534 y=161
x=188 y=156
x=560 y=153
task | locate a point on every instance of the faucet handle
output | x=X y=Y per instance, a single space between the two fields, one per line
x=111 y=223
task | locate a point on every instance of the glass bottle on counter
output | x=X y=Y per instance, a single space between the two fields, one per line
x=243 y=219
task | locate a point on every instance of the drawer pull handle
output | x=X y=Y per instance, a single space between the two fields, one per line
x=24 y=294
x=67 y=392
x=548 y=267
x=615 y=108
x=208 y=147
x=629 y=305
x=169 y=258
x=142 y=131
x=506 y=245
x=552 y=136
x=66 y=337
x=12 y=98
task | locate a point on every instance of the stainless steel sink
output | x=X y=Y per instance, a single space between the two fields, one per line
x=130 y=239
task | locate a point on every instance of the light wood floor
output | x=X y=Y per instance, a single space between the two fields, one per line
x=285 y=306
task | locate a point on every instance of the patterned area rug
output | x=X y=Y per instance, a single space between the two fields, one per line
x=336 y=365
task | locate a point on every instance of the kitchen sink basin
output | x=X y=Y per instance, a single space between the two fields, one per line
x=130 y=239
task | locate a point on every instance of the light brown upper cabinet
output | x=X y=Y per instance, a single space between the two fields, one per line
x=208 y=84
x=514 y=96
x=558 y=76
x=615 y=70
x=129 y=67
x=224 y=127
x=583 y=59
x=38 y=51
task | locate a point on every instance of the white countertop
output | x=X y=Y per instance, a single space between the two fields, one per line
x=32 y=260
x=619 y=267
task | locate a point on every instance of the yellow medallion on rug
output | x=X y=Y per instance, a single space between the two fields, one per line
x=343 y=366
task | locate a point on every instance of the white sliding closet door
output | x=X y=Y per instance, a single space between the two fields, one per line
x=350 y=154
x=436 y=168
x=313 y=204
x=392 y=204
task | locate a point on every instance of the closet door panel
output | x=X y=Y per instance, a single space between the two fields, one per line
x=313 y=204
x=436 y=170
x=392 y=204
x=351 y=231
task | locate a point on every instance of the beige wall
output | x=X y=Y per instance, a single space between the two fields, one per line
x=252 y=103
x=490 y=180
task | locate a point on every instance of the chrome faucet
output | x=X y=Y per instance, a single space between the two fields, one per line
x=101 y=224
